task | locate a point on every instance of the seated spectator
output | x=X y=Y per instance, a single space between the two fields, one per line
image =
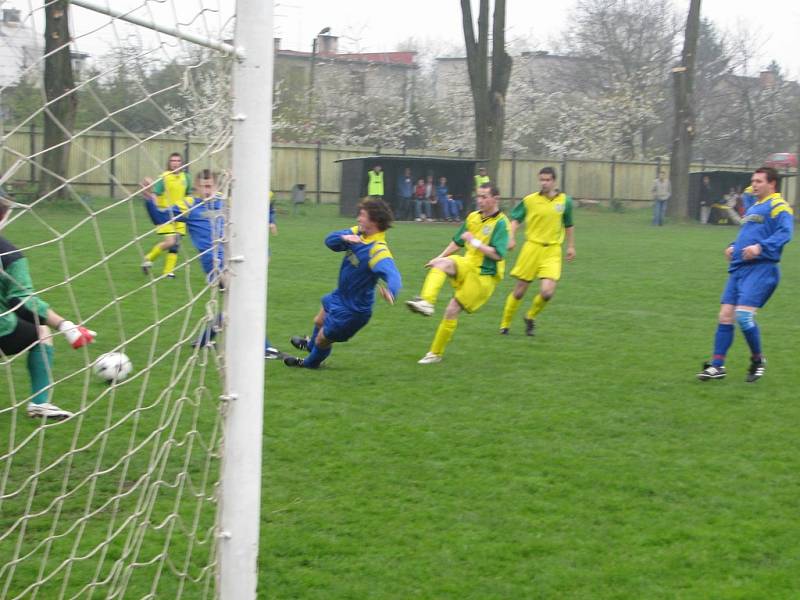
x=455 y=207
x=422 y=207
x=441 y=199
x=430 y=196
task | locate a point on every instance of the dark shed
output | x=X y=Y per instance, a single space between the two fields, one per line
x=459 y=173
x=721 y=182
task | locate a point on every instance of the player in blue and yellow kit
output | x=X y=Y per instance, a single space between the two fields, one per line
x=202 y=215
x=170 y=189
x=547 y=215
x=348 y=308
x=474 y=276
x=753 y=273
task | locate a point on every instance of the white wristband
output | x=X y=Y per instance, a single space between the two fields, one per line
x=476 y=243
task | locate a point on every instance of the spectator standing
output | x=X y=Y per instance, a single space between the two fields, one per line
x=706 y=199
x=662 y=190
x=375 y=182
x=405 y=193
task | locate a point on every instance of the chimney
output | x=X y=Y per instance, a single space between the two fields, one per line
x=327 y=45
x=767 y=79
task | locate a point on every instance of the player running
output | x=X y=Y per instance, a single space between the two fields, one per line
x=547 y=215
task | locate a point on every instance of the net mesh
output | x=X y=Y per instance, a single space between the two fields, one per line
x=119 y=500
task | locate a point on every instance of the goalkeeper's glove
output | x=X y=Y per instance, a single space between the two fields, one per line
x=77 y=335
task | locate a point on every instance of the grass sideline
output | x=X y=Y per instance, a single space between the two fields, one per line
x=585 y=462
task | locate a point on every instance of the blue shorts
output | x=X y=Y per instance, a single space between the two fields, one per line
x=751 y=285
x=341 y=323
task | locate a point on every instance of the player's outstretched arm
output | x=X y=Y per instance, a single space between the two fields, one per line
x=339 y=241
x=77 y=335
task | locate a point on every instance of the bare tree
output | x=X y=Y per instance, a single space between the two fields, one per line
x=683 y=130
x=488 y=94
x=62 y=102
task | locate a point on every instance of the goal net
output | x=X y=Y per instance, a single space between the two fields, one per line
x=122 y=499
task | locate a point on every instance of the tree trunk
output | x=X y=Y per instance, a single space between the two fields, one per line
x=59 y=84
x=684 y=126
x=488 y=95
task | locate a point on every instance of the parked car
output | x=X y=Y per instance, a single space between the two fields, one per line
x=781 y=160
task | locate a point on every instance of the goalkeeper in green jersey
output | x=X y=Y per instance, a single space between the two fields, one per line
x=25 y=322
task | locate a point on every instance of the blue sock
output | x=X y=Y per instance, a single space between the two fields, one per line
x=722 y=341
x=314 y=360
x=753 y=337
x=40 y=363
x=747 y=323
x=313 y=337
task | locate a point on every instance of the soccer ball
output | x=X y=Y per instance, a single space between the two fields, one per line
x=113 y=367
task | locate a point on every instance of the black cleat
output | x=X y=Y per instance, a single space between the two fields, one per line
x=293 y=361
x=300 y=342
x=530 y=325
x=504 y=331
x=271 y=353
x=756 y=370
x=711 y=372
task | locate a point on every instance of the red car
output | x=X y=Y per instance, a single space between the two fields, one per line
x=781 y=160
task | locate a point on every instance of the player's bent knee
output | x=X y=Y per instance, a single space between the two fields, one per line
x=745 y=319
x=321 y=341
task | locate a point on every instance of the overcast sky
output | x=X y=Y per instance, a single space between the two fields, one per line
x=380 y=25
x=376 y=27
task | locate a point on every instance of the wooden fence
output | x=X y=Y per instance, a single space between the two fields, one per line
x=108 y=164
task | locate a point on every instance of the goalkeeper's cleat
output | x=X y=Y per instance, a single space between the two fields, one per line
x=756 y=370
x=271 y=353
x=530 y=326
x=711 y=372
x=146 y=266
x=47 y=411
x=504 y=331
x=292 y=361
x=418 y=305
x=170 y=275
x=300 y=342
x=430 y=358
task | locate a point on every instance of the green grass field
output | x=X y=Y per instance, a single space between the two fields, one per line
x=586 y=462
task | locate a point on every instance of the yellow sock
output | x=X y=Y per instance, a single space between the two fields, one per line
x=443 y=335
x=512 y=304
x=154 y=253
x=537 y=306
x=169 y=262
x=433 y=283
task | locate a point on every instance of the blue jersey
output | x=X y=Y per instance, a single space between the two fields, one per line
x=362 y=266
x=205 y=221
x=769 y=223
